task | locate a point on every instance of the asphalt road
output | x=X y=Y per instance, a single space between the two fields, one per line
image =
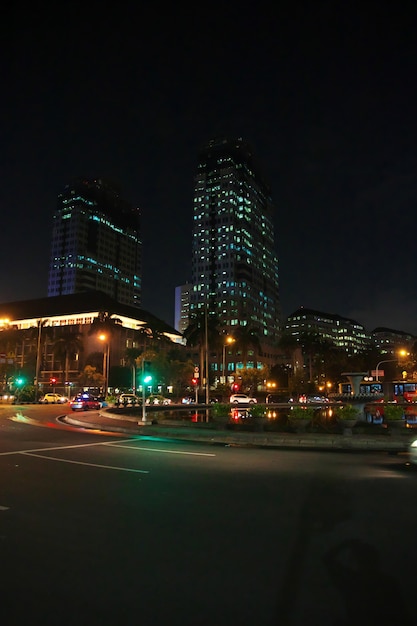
x=108 y=529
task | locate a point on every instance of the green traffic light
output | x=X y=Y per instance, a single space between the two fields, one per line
x=20 y=381
x=147 y=379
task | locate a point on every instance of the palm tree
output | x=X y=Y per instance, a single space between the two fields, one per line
x=153 y=333
x=104 y=323
x=247 y=338
x=203 y=329
x=131 y=357
x=66 y=346
x=310 y=344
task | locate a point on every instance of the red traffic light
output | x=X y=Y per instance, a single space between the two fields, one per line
x=53 y=381
x=194 y=381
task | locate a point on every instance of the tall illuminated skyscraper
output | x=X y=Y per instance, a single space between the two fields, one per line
x=234 y=265
x=96 y=243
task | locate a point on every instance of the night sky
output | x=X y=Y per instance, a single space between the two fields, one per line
x=325 y=94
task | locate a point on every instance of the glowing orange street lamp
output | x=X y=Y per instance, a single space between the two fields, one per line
x=229 y=341
x=106 y=350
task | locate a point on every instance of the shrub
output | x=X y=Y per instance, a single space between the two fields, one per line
x=220 y=409
x=302 y=412
x=257 y=410
x=347 y=412
x=393 y=411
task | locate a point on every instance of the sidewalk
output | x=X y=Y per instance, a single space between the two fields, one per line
x=202 y=432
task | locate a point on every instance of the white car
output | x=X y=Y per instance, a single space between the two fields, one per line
x=53 y=398
x=158 y=400
x=127 y=399
x=242 y=398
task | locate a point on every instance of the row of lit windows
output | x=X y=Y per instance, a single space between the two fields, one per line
x=102 y=219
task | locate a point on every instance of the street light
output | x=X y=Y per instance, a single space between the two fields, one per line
x=106 y=352
x=206 y=351
x=146 y=379
x=41 y=323
x=401 y=353
x=229 y=341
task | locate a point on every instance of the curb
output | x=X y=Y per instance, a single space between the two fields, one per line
x=180 y=432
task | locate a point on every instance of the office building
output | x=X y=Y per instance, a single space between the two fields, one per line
x=388 y=340
x=234 y=265
x=343 y=332
x=31 y=329
x=182 y=307
x=96 y=243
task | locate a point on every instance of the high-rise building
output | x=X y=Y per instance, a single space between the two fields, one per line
x=344 y=333
x=182 y=307
x=96 y=243
x=234 y=265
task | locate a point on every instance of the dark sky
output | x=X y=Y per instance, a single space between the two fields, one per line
x=325 y=93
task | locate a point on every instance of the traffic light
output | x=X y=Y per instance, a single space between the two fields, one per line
x=147 y=373
x=52 y=381
x=20 y=381
x=194 y=381
x=235 y=387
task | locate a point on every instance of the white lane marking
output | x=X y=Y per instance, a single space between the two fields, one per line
x=81 y=445
x=114 y=445
x=112 y=467
x=4 y=508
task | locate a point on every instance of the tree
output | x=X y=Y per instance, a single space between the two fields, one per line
x=247 y=338
x=95 y=359
x=310 y=344
x=196 y=335
x=65 y=347
x=104 y=323
x=89 y=377
x=252 y=377
x=131 y=356
x=153 y=334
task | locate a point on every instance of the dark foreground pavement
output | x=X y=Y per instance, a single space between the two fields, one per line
x=392 y=441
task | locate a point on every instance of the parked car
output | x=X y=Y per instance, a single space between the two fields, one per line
x=127 y=399
x=188 y=400
x=278 y=398
x=85 y=402
x=53 y=398
x=158 y=400
x=313 y=399
x=242 y=398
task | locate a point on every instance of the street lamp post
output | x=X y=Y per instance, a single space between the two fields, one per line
x=105 y=363
x=143 y=392
x=41 y=323
x=146 y=379
x=380 y=363
x=401 y=353
x=229 y=340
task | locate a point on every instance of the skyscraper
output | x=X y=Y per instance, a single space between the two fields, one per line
x=234 y=265
x=182 y=307
x=96 y=243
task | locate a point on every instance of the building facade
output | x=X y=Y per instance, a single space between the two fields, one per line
x=344 y=333
x=96 y=243
x=182 y=307
x=31 y=331
x=234 y=265
x=388 y=340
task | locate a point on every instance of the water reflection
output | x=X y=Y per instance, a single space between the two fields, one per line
x=186 y=415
